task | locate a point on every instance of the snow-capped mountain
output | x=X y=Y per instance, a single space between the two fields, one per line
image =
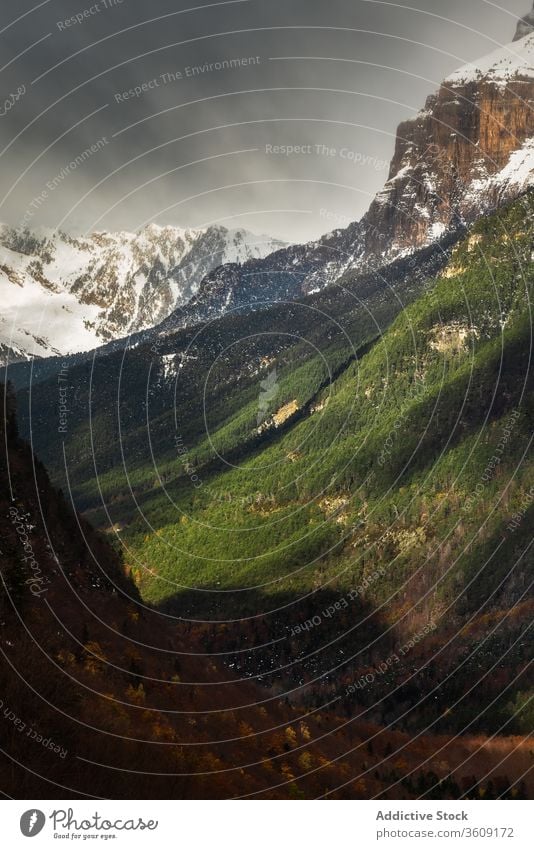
x=65 y=294
x=468 y=151
x=285 y=275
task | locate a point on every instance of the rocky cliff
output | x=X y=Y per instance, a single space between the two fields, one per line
x=470 y=149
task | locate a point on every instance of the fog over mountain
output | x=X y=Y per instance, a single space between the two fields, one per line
x=466 y=152
x=192 y=112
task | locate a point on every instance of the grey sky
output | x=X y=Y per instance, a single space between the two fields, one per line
x=361 y=67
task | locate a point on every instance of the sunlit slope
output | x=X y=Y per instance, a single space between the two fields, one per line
x=411 y=458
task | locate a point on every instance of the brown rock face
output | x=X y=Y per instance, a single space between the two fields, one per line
x=445 y=159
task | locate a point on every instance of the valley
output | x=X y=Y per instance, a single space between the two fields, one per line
x=268 y=508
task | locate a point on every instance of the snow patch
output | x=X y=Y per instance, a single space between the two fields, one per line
x=504 y=64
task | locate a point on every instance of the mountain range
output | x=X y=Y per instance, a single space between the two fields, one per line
x=469 y=150
x=63 y=294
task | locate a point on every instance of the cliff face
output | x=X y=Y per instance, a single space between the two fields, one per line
x=467 y=151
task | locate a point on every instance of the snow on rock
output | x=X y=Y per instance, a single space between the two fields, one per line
x=519 y=172
x=514 y=60
x=65 y=294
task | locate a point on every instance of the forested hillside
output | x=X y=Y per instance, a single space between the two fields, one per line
x=104 y=698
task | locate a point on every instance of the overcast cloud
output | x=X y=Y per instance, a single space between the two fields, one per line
x=199 y=146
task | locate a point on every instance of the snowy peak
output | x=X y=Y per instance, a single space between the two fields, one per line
x=65 y=294
x=468 y=151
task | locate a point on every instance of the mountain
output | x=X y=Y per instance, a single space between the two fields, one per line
x=329 y=500
x=469 y=150
x=467 y=153
x=62 y=294
x=285 y=275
